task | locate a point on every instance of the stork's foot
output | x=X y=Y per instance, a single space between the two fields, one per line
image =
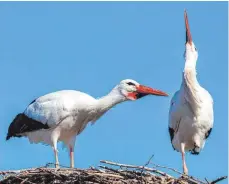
x=57 y=166
x=185 y=170
x=72 y=165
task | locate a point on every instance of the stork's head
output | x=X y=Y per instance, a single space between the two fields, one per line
x=132 y=90
x=190 y=49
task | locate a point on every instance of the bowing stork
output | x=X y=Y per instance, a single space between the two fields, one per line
x=191 y=108
x=62 y=115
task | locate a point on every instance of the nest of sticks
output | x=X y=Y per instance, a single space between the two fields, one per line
x=108 y=173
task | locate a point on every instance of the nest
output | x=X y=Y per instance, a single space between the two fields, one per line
x=124 y=174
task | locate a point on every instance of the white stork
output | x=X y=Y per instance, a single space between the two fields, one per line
x=191 y=108
x=62 y=115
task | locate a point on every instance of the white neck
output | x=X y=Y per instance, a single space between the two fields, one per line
x=190 y=64
x=191 y=85
x=190 y=57
x=103 y=104
x=110 y=100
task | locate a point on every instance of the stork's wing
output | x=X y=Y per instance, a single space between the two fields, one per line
x=48 y=111
x=179 y=104
x=54 y=107
x=174 y=115
x=209 y=125
x=208 y=133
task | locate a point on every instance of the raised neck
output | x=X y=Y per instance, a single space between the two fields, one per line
x=191 y=89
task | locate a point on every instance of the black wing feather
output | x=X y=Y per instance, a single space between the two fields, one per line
x=208 y=133
x=171 y=133
x=22 y=124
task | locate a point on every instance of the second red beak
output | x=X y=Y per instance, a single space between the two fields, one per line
x=188 y=32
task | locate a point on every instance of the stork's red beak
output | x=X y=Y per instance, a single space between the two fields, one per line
x=144 y=90
x=188 y=33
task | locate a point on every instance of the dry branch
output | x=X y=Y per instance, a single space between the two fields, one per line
x=219 y=179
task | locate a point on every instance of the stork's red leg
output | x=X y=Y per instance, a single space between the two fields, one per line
x=185 y=169
x=57 y=164
x=71 y=156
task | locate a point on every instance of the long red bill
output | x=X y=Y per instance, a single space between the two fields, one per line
x=148 y=90
x=188 y=32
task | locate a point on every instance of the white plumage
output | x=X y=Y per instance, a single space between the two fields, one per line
x=191 y=109
x=62 y=115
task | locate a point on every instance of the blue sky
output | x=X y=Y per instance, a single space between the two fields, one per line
x=89 y=46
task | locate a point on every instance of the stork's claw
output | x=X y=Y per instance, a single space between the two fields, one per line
x=185 y=170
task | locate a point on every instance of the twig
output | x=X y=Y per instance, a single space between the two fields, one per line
x=14 y=172
x=49 y=164
x=169 y=168
x=135 y=167
x=49 y=171
x=107 y=174
x=192 y=179
x=147 y=163
x=206 y=180
x=116 y=171
x=218 y=179
x=24 y=181
x=96 y=169
x=174 y=170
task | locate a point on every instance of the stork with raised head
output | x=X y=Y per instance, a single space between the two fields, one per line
x=62 y=115
x=191 y=109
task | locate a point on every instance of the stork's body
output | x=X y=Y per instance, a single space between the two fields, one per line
x=191 y=109
x=62 y=115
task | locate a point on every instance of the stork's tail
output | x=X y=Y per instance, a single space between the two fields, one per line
x=22 y=124
x=197 y=149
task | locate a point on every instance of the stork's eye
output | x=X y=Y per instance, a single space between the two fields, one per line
x=195 y=49
x=131 y=83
